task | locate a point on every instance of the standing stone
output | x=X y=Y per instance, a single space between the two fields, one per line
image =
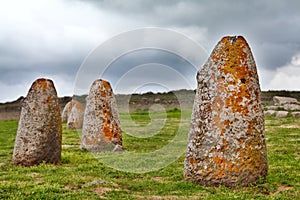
x=39 y=133
x=101 y=126
x=73 y=114
x=66 y=112
x=226 y=142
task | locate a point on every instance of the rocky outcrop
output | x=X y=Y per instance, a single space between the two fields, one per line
x=282 y=113
x=291 y=107
x=282 y=107
x=274 y=107
x=295 y=114
x=280 y=101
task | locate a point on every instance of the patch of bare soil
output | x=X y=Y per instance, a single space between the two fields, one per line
x=101 y=190
x=156 y=178
x=283 y=188
x=289 y=126
x=71 y=187
x=170 y=197
x=36 y=176
x=65 y=146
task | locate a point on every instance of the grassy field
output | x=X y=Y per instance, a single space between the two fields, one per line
x=81 y=176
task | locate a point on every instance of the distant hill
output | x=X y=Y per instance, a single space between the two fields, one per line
x=181 y=99
x=11 y=110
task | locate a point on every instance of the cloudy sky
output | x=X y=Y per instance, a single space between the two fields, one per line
x=53 y=39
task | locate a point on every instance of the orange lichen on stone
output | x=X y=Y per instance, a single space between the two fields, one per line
x=226 y=122
x=106 y=85
x=39 y=133
x=235 y=65
x=192 y=160
x=48 y=100
x=229 y=139
x=101 y=116
x=108 y=133
x=41 y=83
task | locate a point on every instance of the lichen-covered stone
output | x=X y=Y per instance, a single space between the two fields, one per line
x=66 y=111
x=226 y=142
x=73 y=114
x=39 y=133
x=101 y=126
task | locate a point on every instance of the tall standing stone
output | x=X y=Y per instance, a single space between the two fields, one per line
x=101 y=126
x=39 y=132
x=73 y=114
x=226 y=142
x=66 y=112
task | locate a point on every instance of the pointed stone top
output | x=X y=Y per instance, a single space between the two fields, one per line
x=233 y=39
x=43 y=84
x=232 y=59
x=105 y=83
x=235 y=48
x=101 y=86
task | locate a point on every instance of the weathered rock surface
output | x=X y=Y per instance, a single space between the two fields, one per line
x=270 y=113
x=295 y=114
x=279 y=101
x=282 y=113
x=285 y=105
x=274 y=107
x=157 y=100
x=226 y=142
x=291 y=107
x=39 y=133
x=101 y=127
x=65 y=113
x=73 y=114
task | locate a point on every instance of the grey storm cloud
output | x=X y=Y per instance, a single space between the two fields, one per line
x=152 y=48
x=53 y=38
x=272 y=26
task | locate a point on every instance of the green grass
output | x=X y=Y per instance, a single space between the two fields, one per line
x=74 y=177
